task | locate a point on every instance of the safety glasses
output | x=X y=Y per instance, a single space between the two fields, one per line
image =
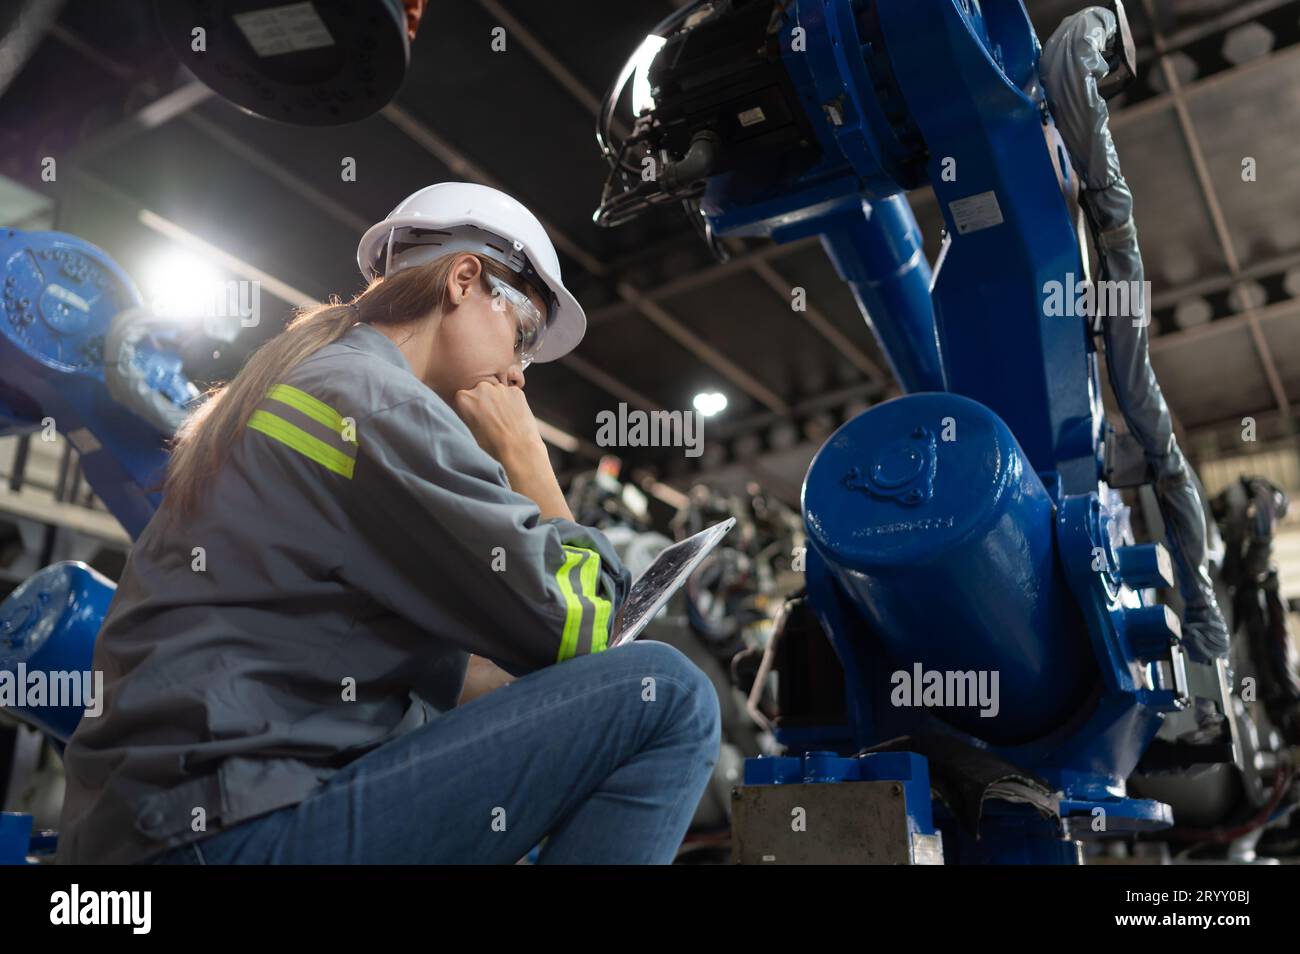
x=530 y=324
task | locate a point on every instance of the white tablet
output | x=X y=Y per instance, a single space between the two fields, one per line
x=660 y=581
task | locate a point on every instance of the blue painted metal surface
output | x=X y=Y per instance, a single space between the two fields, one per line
x=60 y=295
x=1010 y=835
x=15 y=837
x=932 y=523
x=876 y=249
x=48 y=627
x=1014 y=236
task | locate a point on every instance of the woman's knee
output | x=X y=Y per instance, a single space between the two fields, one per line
x=667 y=671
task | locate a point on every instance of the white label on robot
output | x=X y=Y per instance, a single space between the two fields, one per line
x=286 y=29
x=751 y=117
x=68 y=297
x=976 y=212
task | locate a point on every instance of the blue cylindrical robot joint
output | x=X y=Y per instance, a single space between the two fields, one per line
x=48 y=627
x=934 y=525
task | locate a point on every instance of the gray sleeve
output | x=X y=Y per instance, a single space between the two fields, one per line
x=439 y=538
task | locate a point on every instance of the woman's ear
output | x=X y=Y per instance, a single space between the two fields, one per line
x=464 y=276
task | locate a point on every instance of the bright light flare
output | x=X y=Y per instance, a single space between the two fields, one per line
x=710 y=403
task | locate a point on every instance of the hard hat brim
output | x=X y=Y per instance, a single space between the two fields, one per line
x=566 y=330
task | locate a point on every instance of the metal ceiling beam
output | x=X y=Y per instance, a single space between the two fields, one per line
x=862 y=391
x=1211 y=199
x=36 y=218
x=29 y=26
x=285 y=176
x=187 y=97
x=711 y=356
x=1280 y=311
x=539 y=52
x=164 y=107
x=161 y=110
x=1128 y=115
x=702 y=277
x=1271 y=429
x=1236 y=16
x=822 y=325
x=459 y=163
x=90 y=52
x=610 y=383
x=283 y=290
x=1219 y=283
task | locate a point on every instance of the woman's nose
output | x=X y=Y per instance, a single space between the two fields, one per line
x=514 y=376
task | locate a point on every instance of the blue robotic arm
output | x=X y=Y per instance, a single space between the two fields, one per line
x=79 y=354
x=966 y=527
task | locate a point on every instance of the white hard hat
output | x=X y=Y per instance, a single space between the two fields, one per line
x=466 y=217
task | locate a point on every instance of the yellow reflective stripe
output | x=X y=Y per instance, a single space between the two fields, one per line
x=304 y=443
x=573 y=606
x=317 y=410
x=591 y=587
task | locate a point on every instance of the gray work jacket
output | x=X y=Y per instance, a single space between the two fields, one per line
x=355 y=547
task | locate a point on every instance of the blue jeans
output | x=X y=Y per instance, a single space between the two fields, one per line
x=604 y=756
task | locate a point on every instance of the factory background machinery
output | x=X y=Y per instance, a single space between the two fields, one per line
x=972 y=523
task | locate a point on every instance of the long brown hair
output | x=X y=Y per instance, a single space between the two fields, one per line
x=204 y=441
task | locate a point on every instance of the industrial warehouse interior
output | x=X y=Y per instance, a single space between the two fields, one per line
x=757 y=432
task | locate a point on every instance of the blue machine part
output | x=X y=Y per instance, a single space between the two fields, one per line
x=934 y=524
x=876 y=249
x=951 y=556
x=996 y=172
x=15 y=837
x=60 y=297
x=48 y=627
